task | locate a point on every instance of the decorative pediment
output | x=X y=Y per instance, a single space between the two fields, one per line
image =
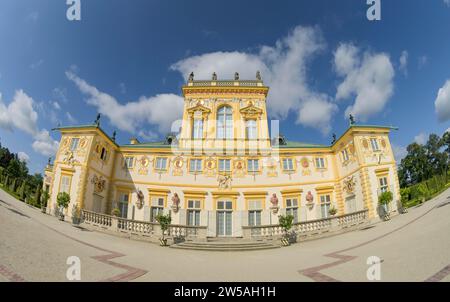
x=204 y=111
x=251 y=111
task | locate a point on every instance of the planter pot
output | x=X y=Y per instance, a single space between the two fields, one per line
x=61 y=217
x=285 y=241
x=163 y=242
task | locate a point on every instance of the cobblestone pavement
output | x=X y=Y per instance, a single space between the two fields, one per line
x=412 y=247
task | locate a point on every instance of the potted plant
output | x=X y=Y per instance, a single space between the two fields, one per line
x=44 y=200
x=332 y=211
x=76 y=214
x=383 y=200
x=164 y=221
x=63 y=200
x=286 y=223
x=115 y=212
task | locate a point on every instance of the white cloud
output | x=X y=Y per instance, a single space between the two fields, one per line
x=442 y=103
x=421 y=138
x=399 y=152
x=23 y=156
x=404 y=62
x=160 y=110
x=284 y=69
x=56 y=105
x=36 y=64
x=368 y=78
x=70 y=118
x=20 y=114
x=44 y=144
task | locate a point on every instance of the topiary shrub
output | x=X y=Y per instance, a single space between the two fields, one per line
x=164 y=221
x=63 y=200
x=286 y=223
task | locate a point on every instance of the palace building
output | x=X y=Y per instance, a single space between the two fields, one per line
x=223 y=171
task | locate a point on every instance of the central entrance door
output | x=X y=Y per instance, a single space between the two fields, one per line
x=224 y=218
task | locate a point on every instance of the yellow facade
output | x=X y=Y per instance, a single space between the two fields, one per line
x=222 y=154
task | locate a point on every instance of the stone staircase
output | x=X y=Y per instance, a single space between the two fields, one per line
x=225 y=245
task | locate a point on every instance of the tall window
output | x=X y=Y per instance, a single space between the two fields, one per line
x=374 y=143
x=123 y=204
x=65 y=183
x=74 y=144
x=103 y=154
x=320 y=163
x=224 y=165
x=288 y=164
x=197 y=130
x=325 y=204
x=224 y=123
x=251 y=130
x=292 y=208
x=193 y=213
x=161 y=163
x=252 y=165
x=345 y=155
x=129 y=162
x=254 y=213
x=157 y=208
x=383 y=184
x=195 y=165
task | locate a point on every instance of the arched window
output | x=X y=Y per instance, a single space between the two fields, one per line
x=224 y=123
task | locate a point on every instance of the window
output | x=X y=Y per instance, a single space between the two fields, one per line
x=253 y=165
x=374 y=143
x=193 y=213
x=197 y=130
x=224 y=205
x=224 y=165
x=254 y=213
x=129 y=162
x=161 y=163
x=103 y=154
x=292 y=208
x=325 y=204
x=251 y=130
x=345 y=155
x=320 y=163
x=123 y=204
x=224 y=123
x=74 y=144
x=195 y=165
x=157 y=208
x=383 y=184
x=65 y=183
x=288 y=164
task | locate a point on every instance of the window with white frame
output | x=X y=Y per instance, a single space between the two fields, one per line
x=383 y=184
x=123 y=204
x=157 y=208
x=224 y=165
x=345 y=155
x=129 y=162
x=197 y=130
x=193 y=212
x=224 y=123
x=292 y=208
x=251 y=129
x=325 y=205
x=374 y=144
x=252 y=165
x=195 y=165
x=320 y=163
x=74 y=144
x=161 y=163
x=288 y=164
x=254 y=212
x=65 y=183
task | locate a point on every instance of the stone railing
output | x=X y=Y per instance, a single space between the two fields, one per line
x=310 y=228
x=140 y=229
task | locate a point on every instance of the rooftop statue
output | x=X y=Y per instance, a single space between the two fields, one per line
x=258 y=76
x=214 y=76
x=236 y=76
x=191 y=77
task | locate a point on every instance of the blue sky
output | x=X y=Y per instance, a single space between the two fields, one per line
x=129 y=59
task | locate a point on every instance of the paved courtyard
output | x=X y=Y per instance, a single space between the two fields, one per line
x=412 y=247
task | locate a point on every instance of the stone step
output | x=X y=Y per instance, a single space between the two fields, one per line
x=222 y=246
